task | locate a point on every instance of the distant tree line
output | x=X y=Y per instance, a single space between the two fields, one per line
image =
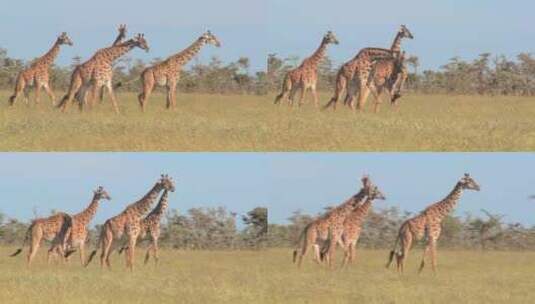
x=486 y=232
x=486 y=75
x=198 y=228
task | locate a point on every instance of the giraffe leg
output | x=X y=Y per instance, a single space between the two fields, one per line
x=406 y=243
x=341 y=84
x=34 y=245
x=74 y=88
x=147 y=254
x=26 y=92
x=315 y=96
x=106 y=243
x=112 y=96
x=37 y=92
x=82 y=253
x=364 y=91
x=291 y=97
x=333 y=240
x=20 y=85
x=130 y=252
x=173 y=94
x=302 y=95
x=49 y=92
x=147 y=85
x=426 y=252
x=434 y=255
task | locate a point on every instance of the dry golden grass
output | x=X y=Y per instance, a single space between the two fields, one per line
x=253 y=123
x=270 y=277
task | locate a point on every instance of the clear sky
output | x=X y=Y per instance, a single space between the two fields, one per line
x=282 y=182
x=254 y=28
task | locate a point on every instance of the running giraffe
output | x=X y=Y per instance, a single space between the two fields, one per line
x=353 y=226
x=353 y=75
x=97 y=72
x=151 y=225
x=305 y=76
x=53 y=228
x=77 y=233
x=128 y=222
x=329 y=226
x=38 y=73
x=390 y=75
x=428 y=224
x=167 y=72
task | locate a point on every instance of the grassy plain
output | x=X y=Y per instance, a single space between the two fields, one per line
x=270 y=277
x=253 y=123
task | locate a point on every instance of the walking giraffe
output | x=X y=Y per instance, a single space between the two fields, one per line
x=53 y=228
x=428 y=224
x=97 y=72
x=38 y=73
x=390 y=75
x=128 y=222
x=329 y=226
x=76 y=235
x=151 y=225
x=353 y=226
x=353 y=75
x=305 y=76
x=167 y=72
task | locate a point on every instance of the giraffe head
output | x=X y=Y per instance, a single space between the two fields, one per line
x=404 y=32
x=64 y=39
x=367 y=186
x=101 y=194
x=209 y=38
x=467 y=182
x=330 y=38
x=376 y=194
x=140 y=42
x=167 y=182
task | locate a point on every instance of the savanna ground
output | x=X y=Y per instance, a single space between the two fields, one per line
x=253 y=123
x=269 y=277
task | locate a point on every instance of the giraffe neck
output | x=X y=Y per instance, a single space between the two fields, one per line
x=51 y=55
x=110 y=54
x=363 y=209
x=445 y=206
x=187 y=54
x=162 y=205
x=87 y=215
x=349 y=205
x=396 y=44
x=317 y=56
x=142 y=206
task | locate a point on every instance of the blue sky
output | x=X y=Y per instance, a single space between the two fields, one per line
x=283 y=182
x=254 y=28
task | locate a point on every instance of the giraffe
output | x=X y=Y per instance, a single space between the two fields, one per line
x=151 y=225
x=97 y=72
x=167 y=72
x=76 y=235
x=353 y=225
x=389 y=74
x=52 y=228
x=329 y=226
x=119 y=39
x=37 y=74
x=356 y=71
x=128 y=222
x=428 y=224
x=305 y=76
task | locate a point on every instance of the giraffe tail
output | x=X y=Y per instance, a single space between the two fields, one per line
x=26 y=237
x=122 y=249
x=91 y=256
x=392 y=253
x=286 y=86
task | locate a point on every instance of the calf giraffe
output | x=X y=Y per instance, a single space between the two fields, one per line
x=77 y=233
x=53 y=228
x=353 y=225
x=167 y=72
x=97 y=72
x=428 y=224
x=354 y=74
x=151 y=225
x=38 y=73
x=389 y=74
x=329 y=226
x=128 y=222
x=305 y=76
